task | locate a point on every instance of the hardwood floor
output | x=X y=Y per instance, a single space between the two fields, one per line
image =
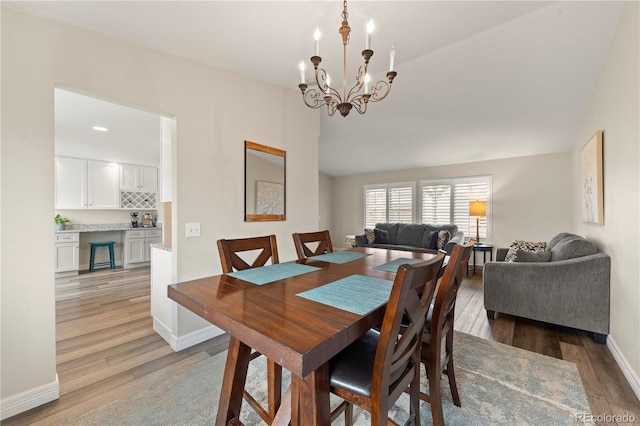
x=106 y=347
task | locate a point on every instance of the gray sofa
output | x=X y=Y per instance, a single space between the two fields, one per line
x=412 y=236
x=571 y=289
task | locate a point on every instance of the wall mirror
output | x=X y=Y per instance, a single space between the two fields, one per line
x=264 y=183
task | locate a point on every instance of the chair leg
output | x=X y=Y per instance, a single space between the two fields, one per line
x=450 y=373
x=434 y=373
x=414 y=396
x=112 y=257
x=92 y=258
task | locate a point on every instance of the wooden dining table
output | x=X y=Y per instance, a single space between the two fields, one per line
x=298 y=333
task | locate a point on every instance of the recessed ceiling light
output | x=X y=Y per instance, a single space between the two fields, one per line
x=100 y=129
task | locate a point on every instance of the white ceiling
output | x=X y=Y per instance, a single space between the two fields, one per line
x=477 y=80
x=133 y=136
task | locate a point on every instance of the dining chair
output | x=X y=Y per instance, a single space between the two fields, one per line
x=304 y=243
x=231 y=261
x=439 y=326
x=376 y=369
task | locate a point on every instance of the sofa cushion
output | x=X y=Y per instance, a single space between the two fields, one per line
x=391 y=228
x=431 y=240
x=453 y=229
x=532 y=256
x=555 y=240
x=381 y=236
x=410 y=234
x=524 y=246
x=369 y=235
x=572 y=246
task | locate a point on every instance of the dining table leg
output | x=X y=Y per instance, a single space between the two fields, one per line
x=235 y=375
x=310 y=398
x=274 y=387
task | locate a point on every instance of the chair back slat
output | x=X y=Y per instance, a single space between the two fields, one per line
x=445 y=299
x=409 y=302
x=229 y=249
x=302 y=243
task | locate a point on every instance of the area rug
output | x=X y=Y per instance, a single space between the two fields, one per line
x=498 y=385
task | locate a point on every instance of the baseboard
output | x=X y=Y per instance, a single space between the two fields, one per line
x=188 y=340
x=624 y=365
x=29 y=399
x=162 y=330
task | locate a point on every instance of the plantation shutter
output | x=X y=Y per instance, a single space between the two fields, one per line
x=436 y=204
x=375 y=206
x=388 y=203
x=400 y=204
x=466 y=190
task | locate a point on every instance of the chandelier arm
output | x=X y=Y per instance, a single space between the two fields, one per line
x=359 y=82
x=321 y=81
x=313 y=98
x=380 y=91
x=360 y=104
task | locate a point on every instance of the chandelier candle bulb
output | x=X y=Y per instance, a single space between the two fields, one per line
x=328 y=83
x=316 y=37
x=302 y=78
x=367 y=79
x=392 y=58
x=369 y=31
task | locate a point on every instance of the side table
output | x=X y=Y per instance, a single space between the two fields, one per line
x=484 y=249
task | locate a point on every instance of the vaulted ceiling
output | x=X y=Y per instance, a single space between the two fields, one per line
x=477 y=80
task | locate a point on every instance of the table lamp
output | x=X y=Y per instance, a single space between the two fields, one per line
x=477 y=209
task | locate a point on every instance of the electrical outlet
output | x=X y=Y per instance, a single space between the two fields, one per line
x=193 y=230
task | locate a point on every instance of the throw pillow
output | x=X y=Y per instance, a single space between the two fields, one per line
x=370 y=235
x=533 y=256
x=443 y=239
x=381 y=236
x=432 y=240
x=524 y=246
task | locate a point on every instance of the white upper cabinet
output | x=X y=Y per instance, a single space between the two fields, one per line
x=71 y=183
x=138 y=178
x=103 y=192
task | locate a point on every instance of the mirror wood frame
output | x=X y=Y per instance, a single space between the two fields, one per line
x=252 y=217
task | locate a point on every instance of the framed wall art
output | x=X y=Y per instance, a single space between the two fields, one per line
x=592 y=185
x=269 y=198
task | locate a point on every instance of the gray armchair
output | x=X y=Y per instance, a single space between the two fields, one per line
x=568 y=291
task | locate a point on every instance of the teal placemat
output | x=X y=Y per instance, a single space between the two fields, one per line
x=340 y=256
x=270 y=273
x=357 y=293
x=393 y=265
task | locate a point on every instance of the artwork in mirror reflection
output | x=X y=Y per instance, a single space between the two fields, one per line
x=264 y=183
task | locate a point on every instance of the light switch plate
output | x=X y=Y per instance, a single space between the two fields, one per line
x=193 y=230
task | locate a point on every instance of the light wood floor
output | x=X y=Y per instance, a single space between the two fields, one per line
x=106 y=347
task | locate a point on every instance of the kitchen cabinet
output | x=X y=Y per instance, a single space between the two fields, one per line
x=138 y=178
x=102 y=185
x=137 y=246
x=70 y=183
x=66 y=253
x=85 y=184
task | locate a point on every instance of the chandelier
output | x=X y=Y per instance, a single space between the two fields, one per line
x=362 y=91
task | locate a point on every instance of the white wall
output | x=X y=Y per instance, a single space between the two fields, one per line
x=325 y=220
x=214 y=119
x=531 y=195
x=614 y=108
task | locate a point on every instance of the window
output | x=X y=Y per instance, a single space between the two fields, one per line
x=388 y=203
x=447 y=201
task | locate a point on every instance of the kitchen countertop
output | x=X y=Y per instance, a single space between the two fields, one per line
x=101 y=227
x=165 y=247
